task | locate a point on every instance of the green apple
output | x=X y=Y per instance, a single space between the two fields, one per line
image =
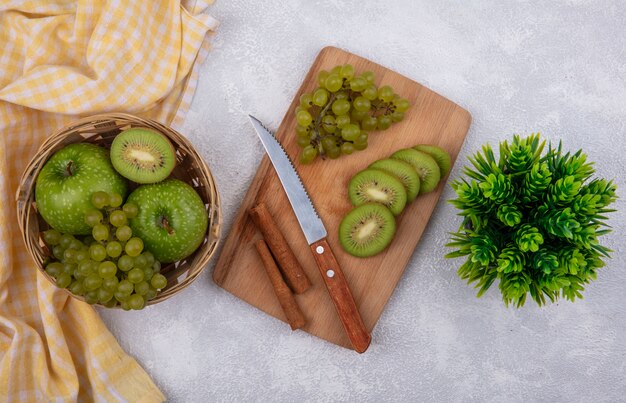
x=67 y=181
x=171 y=221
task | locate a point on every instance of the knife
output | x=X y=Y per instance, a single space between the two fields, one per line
x=315 y=234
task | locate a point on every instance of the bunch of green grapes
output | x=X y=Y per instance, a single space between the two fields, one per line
x=109 y=266
x=336 y=118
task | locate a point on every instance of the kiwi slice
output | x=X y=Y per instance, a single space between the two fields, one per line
x=403 y=171
x=424 y=164
x=367 y=230
x=442 y=158
x=376 y=186
x=143 y=155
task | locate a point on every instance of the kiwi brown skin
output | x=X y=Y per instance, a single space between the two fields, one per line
x=143 y=155
x=376 y=186
x=404 y=172
x=425 y=165
x=367 y=230
x=440 y=156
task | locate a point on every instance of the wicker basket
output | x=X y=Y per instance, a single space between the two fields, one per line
x=101 y=129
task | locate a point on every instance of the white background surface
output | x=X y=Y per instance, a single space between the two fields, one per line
x=519 y=67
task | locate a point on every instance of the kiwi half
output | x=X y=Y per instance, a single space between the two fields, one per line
x=424 y=164
x=143 y=155
x=440 y=156
x=403 y=171
x=367 y=230
x=376 y=186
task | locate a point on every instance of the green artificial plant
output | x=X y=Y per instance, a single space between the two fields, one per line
x=531 y=220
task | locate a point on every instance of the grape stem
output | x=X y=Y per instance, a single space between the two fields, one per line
x=318 y=120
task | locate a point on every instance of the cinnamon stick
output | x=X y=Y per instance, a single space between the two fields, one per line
x=283 y=293
x=291 y=268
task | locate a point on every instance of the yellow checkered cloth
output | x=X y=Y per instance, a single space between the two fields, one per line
x=60 y=60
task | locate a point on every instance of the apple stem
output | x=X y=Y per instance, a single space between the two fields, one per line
x=69 y=168
x=166 y=225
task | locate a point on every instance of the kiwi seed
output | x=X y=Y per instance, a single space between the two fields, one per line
x=441 y=157
x=367 y=230
x=424 y=164
x=375 y=186
x=143 y=155
x=404 y=172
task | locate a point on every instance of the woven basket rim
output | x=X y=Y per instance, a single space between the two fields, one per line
x=182 y=273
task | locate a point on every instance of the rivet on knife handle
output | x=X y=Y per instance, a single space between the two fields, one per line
x=340 y=294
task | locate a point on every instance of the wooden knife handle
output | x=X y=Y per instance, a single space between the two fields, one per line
x=340 y=294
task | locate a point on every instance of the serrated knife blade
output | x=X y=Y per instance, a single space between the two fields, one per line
x=315 y=234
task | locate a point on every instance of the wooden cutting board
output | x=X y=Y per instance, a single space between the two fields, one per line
x=432 y=119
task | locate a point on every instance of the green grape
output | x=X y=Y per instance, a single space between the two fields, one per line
x=397 y=116
x=52 y=237
x=84 y=268
x=115 y=199
x=328 y=123
x=142 y=288
x=150 y=294
x=333 y=153
x=361 y=142
x=121 y=296
x=342 y=121
x=308 y=154
x=135 y=275
x=117 y=218
x=358 y=84
x=370 y=93
x=54 y=269
x=69 y=255
x=125 y=306
x=329 y=142
x=361 y=104
x=321 y=78
x=302 y=131
x=65 y=241
x=141 y=261
x=134 y=246
x=385 y=93
x=100 y=232
x=58 y=252
x=350 y=132
x=110 y=303
x=158 y=281
x=347 y=148
x=305 y=100
x=369 y=76
x=82 y=254
x=148 y=273
x=114 y=249
x=360 y=146
x=97 y=252
x=100 y=200
x=156 y=266
x=123 y=233
x=130 y=209
x=347 y=71
x=93 y=217
x=136 y=302
x=333 y=82
x=77 y=288
x=369 y=123
x=384 y=122
x=110 y=284
x=402 y=105
x=341 y=107
x=104 y=296
x=125 y=287
x=149 y=256
x=304 y=118
x=125 y=263
x=91 y=297
x=303 y=142
x=357 y=116
x=92 y=282
x=76 y=244
x=320 y=97
x=63 y=280
x=342 y=95
x=107 y=269
x=69 y=268
x=298 y=109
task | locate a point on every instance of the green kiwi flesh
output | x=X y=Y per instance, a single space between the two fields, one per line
x=440 y=156
x=367 y=230
x=424 y=164
x=143 y=155
x=376 y=186
x=403 y=171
